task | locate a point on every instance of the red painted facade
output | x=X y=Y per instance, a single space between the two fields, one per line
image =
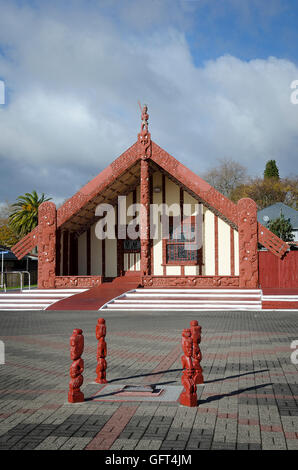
x=278 y=273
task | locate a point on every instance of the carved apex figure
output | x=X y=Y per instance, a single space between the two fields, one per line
x=144 y=118
x=144 y=137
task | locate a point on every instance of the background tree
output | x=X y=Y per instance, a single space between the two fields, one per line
x=269 y=191
x=282 y=228
x=24 y=215
x=271 y=170
x=226 y=176
x=7 y=236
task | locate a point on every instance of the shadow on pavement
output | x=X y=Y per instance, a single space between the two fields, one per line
x=231 y=394
x=235 y=376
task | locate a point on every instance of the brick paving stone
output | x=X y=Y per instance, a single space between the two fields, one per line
x=51 y=443
x=147 y=444
x=249 y=399
x=75 y=443
x=124 y=444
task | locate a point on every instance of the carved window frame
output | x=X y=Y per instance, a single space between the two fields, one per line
x=167 y=242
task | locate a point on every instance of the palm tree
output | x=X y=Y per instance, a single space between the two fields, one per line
x=24 y=216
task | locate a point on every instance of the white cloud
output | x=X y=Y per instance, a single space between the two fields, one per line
x=74 y=82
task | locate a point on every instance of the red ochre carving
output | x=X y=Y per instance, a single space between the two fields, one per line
x=26 y=244
x=194 y=183
x=65 y=282
x=98 y=184
x=101 y=368
x=196 y=331
x=271 y=241
x=248 y=243
x=189 y=395
x=47 y=245
x=145 y=219
x=190 y=282
x=76 y=350
x=144 y=137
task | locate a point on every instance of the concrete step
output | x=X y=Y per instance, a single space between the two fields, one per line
x=187 y=299
x=170 y=307
x=35 y=299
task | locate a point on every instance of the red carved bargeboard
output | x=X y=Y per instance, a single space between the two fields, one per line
x=270 y=241
x=47 y=223
x=72 y=282
x=190 y=282
x=26 y=244
x=192 y=182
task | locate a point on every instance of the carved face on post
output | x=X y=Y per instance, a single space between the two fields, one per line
x=100 y=329
x=187 y=343
x=76 y=344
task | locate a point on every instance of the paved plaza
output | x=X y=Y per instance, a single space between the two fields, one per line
x=249 y=399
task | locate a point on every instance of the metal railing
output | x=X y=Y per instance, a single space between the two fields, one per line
x=3 y=285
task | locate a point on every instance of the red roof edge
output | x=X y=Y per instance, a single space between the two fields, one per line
x=173 y=167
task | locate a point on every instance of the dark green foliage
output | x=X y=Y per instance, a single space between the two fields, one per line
x=271 y=170
x=24 y=215
x=282 y=228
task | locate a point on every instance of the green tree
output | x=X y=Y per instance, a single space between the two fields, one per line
x=24 y=215
x=269 y=191
x=282 y=228
x=7 y=236
x=271 y=170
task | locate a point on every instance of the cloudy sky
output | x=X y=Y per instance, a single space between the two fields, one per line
x=216 y=76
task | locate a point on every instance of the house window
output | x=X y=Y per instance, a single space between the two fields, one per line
x=180 y=245
x=131 y=246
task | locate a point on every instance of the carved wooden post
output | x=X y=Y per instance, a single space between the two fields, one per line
x=196 y=331
x=76 y=350
x=145 y=219
x=47 y=225
x=189 y=395
x=101 y=368
x=248 y=244
x=144 y=140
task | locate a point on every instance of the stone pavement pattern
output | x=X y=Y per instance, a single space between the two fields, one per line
x=249 y=400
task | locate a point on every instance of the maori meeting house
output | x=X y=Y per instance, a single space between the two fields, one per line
x=225 y=266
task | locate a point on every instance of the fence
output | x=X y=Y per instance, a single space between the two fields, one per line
x=12 y=279
x=278 y=273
